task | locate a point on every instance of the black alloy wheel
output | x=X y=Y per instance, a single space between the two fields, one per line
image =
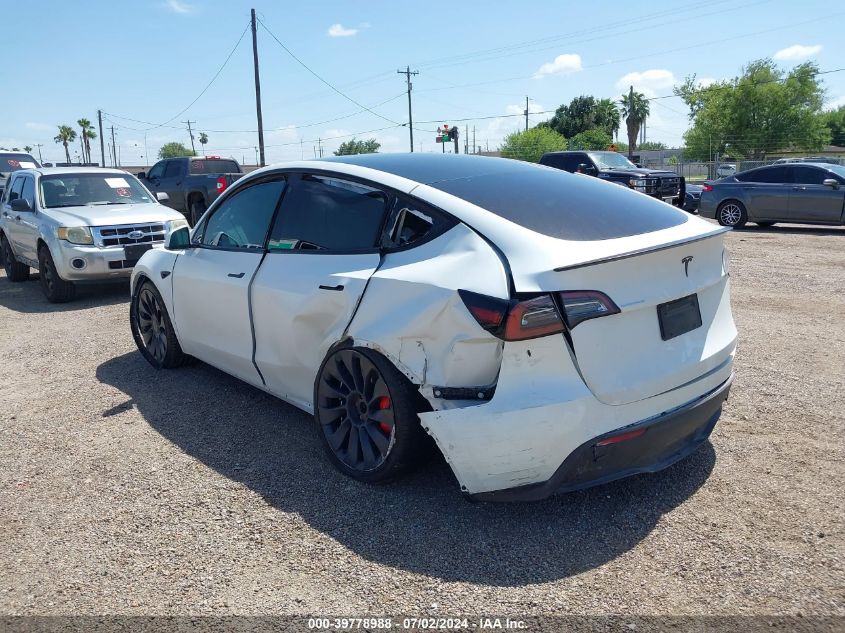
x=152 y=326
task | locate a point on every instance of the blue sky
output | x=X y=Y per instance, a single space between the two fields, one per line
x=148 y=60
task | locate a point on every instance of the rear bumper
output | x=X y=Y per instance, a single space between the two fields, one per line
x=658 y=442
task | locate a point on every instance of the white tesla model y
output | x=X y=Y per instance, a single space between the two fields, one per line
x=549 y=330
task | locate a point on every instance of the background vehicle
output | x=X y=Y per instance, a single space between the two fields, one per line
x=191 y=183
x=11 y=162
x=725 y=169
x=77 y=225
x=593 y=316
x=692 y=198
x=810 y=193
x=613 y=167
x=809 y=159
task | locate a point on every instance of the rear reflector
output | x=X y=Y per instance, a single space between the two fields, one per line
x=615 y=439
x=706 y=187
x=221 y=184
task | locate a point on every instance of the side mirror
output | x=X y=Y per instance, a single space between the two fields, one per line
x=161 y=196
x=178 y=240
x=142 y=175
x=829 y=182
x=20 y=205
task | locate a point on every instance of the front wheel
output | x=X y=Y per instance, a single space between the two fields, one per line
x=56 y=289
x=15 y=271
x=366 y=413
x=732 y=213
x=152 y=329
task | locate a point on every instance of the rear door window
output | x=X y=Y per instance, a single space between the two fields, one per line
x=327 y=213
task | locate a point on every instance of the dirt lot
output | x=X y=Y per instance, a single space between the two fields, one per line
x=127 y=491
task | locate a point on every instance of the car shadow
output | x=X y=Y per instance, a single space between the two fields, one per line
x=27 y=296
x=792 y=229
x=420 y=523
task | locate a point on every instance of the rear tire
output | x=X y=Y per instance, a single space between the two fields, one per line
x=367 y=416
x=732 y=213
x=56 y=289
x=15 y=271
x=152 y=329
x=197 y=209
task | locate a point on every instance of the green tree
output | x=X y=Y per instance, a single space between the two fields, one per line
x=635 y=111
x=651 y=145
x=834 y=121
x=531 y=144
x=174 y=150
x=66 y=135
x=27 y=149
x=203 y=141
x=576 y=117
x=607 y=116
x=84 y=126
x=595 y=139
x=354 y=146
x=763 y=110
x=90 y=135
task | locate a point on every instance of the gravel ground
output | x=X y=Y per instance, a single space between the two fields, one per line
x=127 y=491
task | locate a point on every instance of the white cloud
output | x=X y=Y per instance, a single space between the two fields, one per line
x=649 y=82
x=562 y=65
x=833 y=104
x=703 y=82
x=338 y=30
x=39 y=126
x=797 y=52
x=177 y=6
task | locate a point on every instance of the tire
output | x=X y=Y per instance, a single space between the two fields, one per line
x=765 y=224
x=197 y=209
x=732 y=213
x=367 y=416
x=152 y=329
x=15 y=271
x=56 y=289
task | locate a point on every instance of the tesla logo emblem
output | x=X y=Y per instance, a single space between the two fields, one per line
x=686 y=260
x=137 y=235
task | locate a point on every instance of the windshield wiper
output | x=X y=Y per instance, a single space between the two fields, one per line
x=65 y=204
x=100 y=204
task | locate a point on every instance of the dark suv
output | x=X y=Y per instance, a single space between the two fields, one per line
x=657 y=183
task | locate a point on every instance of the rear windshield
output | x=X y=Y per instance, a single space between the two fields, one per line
x=14 y=162
x=214 y=166
x=563 y=205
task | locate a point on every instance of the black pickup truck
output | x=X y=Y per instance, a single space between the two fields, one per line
x=191 y=183
x=614 y=167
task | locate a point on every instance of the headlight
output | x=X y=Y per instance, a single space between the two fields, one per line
x=173 y=225
x=75 y=234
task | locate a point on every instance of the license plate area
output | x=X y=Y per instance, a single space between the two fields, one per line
x=133 y=252
x=678 y=317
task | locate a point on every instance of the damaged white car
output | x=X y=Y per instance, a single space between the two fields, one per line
x=549 y=331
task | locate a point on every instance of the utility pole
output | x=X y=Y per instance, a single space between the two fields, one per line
x=474 y=146
x=256 y=157
x=408 y=72
x=102 y=147
x=191 y=134
x=114 y=148
x=257 y=90
x=526 y=114
x=320 y=146
x=40 y=160
x=466 y=139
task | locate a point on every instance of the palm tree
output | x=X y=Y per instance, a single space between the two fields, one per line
x=203 y=141
x=90 y=135
x=85 y=125
x=66 y=135
x=27 y=149
x=607 y=117
x=635 y=110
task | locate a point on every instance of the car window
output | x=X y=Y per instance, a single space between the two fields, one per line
x=412 y=221
x=775 y=174
x=28 y=191
x=15 y=191
x=324 y=213
x=157 y=171
x=173 y=169
x=809 y=175
x=242 y=220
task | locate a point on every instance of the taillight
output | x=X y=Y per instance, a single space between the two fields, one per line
x=221 y=184
x=706 y=187
x=538 y=316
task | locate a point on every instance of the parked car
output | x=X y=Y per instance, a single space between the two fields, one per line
x=657 y=183
x=725 y=169
x=191 y=183
x=11 y=162
x=77 y=225
x=692 y=198
x=809 y=159
x=810 y=193
x=549 y=331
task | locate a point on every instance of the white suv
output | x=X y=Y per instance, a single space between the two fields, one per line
x=77 y=225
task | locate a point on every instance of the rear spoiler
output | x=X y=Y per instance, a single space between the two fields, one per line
x=642 y=251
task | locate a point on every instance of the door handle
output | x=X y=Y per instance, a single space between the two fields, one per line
x=236 y=275
x=799 y=188
x=337 y=287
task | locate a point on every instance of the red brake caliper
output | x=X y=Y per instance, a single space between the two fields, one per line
x=381 y=404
